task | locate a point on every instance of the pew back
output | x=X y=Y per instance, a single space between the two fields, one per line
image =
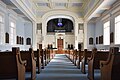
x=110 y=68
x=38 y=62
x=11 y=65
x=86 y=54
x=31 y=62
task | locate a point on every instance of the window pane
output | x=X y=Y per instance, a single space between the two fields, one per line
x=117 y=30
x=12 y=24
x=1 y=18
x=12 y=32
x=106 y=33
x=1 y=29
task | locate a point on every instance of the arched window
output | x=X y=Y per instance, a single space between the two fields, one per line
x=22 y=41
x=117 y=29
x=91 y=41
x=96 y=40
x=12 y=28
x=101 y=39
x=111 y=37
x=17 y=40
x=71 y=46
x=68 y=46
x=6 y=37
x=28 y=41
x=106 y=33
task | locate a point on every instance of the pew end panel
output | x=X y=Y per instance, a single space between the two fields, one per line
x=94 y=61
x=38 y=62
x=12 y=65
x=84 y=60
x=31 y=62
x=110 y=68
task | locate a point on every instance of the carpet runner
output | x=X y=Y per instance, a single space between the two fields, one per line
x=61 y=68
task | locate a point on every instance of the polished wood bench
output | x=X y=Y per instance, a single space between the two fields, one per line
x=110 y=69
x=31 y=62
x=79 y=58
x=42 y=58
x=11 y=65
x=71 y=55
x=86 y=54
x=94 y=61
x=38 y=62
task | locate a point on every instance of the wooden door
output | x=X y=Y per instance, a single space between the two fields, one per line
x=60 y=46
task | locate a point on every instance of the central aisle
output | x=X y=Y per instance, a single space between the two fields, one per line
x=61 y=68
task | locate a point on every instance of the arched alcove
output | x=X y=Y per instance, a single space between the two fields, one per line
x=60 y=24
x=60 y=14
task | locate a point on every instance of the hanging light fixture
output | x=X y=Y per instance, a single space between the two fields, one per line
x=60 y=22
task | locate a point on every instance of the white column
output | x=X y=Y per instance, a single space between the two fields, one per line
x=112 y=28
x=85 y=35
x=44 y=30
x=34 y=36
x=76 y=35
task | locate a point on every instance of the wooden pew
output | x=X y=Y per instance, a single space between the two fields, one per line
x=94 y=61
x=47 y=52
x=86 y=54
x=31 y=62
x=45 y=57
x=110 y=69
x=11 y=65
x=79 y=57
x=42 y=58
x=75 y=56
x=38 y=62
x=72 y=55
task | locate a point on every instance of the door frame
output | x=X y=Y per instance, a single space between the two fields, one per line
x=62 y=43
x=60 y=36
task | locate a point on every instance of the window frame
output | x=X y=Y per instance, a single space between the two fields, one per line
x=117 y=33
x=12 y=34
x=106 y=36
x=2 y=32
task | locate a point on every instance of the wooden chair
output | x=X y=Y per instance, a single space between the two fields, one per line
x=110 y=69
x=31 y=62
x=11 y=65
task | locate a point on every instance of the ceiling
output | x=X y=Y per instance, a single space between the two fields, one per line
x=44 y=6
x=76 y=6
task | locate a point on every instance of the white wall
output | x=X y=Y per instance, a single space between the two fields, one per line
x=20 y=27
x=28 y=33
x=70 y=39
x=90 y=33
x=98 y=27
x=51 y=39
x=23 y=28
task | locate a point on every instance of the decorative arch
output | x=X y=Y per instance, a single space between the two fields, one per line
x=60 y=14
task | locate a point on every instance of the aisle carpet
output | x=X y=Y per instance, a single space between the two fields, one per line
x=61 y=68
